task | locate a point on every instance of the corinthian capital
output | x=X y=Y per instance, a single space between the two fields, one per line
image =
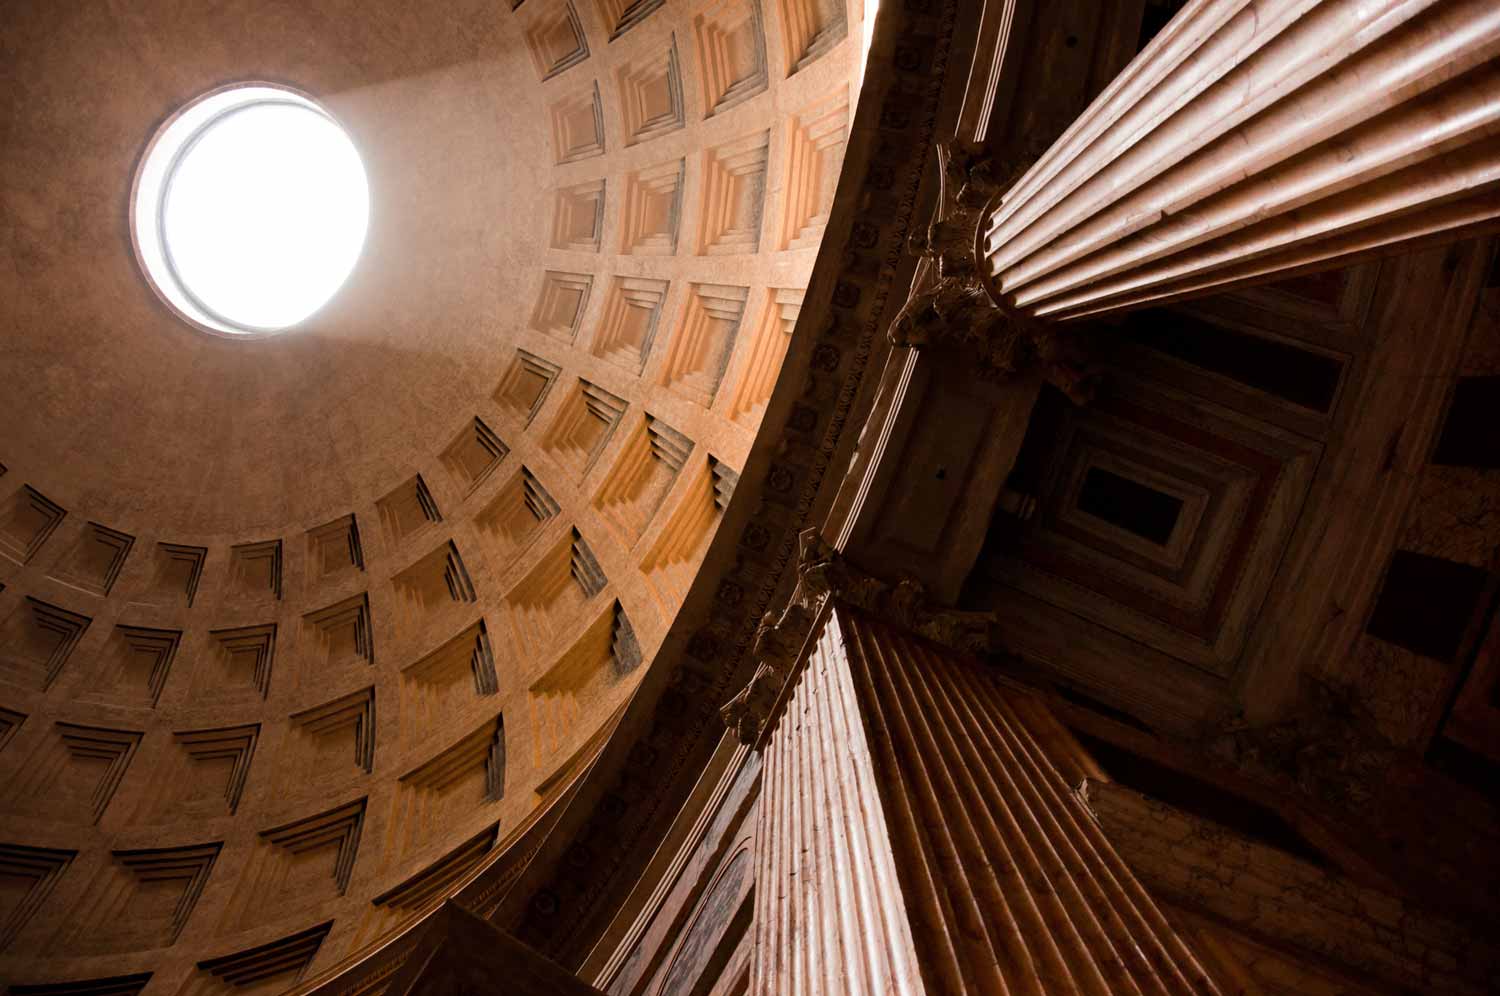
x=952 y=301
x=823 y=574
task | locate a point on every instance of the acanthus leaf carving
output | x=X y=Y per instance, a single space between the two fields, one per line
x=823 y=574
x=950 y=300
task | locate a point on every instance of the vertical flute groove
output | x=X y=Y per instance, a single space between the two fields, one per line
x=829 y=914
x=1257 y=139
x=934 y=845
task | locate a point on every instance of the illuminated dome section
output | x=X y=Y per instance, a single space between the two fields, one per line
x=336 y=625
x=250 y=210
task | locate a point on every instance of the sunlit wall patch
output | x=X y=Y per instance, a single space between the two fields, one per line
x=249 y=209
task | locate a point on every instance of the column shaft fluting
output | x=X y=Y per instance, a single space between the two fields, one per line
x=1256 y=138
x=899 y=773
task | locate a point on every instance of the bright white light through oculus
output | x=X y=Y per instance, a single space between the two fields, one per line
x=250 y=210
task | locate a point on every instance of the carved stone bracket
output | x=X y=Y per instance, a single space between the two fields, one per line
x=823 y=574
x=746 y=714
x=951 y=301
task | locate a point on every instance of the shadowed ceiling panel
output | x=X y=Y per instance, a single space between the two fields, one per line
x=26 y=521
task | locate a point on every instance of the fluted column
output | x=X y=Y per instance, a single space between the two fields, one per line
x=829 y=913
x=1253 y=138
x=915 y=836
